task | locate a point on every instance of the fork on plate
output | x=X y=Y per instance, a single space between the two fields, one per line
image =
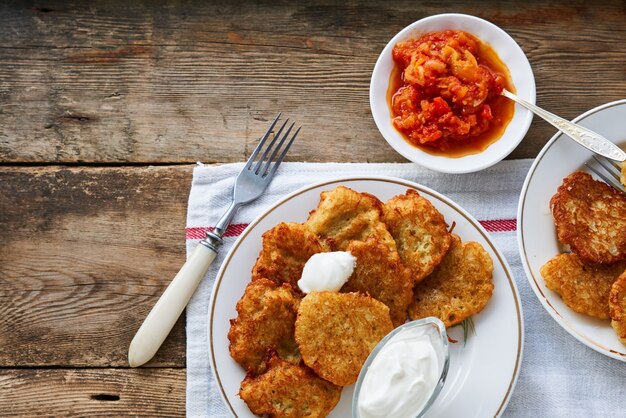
x=607 y=170
x=251 y=182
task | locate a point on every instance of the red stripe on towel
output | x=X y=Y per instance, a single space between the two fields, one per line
x=500 y=225
x=234 y=230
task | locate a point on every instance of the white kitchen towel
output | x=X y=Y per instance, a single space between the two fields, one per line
x=559 y=376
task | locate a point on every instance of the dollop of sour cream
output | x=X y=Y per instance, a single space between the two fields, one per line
x=327 y=271
x=401 y=379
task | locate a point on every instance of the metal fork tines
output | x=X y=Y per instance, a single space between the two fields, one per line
x=258 y=172
x=607 y=170
x=267 y=170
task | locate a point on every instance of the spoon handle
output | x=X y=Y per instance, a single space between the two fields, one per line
x=588 y=139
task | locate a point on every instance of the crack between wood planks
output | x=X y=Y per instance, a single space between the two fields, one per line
x=181 y=47
x=93 y=164
x=69 y=367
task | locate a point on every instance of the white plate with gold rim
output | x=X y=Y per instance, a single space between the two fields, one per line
x=536 y=233
x=482 y=372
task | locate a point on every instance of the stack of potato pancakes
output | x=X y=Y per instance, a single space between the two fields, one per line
x=298 y=349
x=590 y=218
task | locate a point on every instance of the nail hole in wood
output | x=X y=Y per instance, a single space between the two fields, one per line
x=105 y=397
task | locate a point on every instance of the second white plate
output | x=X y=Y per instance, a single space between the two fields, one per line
x=536 y=232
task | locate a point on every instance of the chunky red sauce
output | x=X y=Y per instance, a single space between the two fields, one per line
x=444 y=93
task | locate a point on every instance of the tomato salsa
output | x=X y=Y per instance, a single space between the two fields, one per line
x=444 y=93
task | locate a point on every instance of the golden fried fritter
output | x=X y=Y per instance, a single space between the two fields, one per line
x=420 y=232
x=344 y=215
x=266 y=318
x=286 y=248
x=617 y=307
x=337 y=331
x=459 y=287
x=380 y=273
x=288 y=390
x=584 y=286
x=590 y=216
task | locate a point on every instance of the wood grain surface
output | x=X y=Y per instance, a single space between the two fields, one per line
x=84 y=255
x=147 y=82
x=93 y=392
x=104 y=105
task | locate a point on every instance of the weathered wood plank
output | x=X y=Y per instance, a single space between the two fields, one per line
x=124 y=81
x=92 y=392
x=84 y=254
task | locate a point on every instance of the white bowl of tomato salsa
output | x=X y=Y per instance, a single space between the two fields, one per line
x=445 y=112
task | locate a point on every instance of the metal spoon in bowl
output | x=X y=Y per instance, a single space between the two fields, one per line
x=585 y=137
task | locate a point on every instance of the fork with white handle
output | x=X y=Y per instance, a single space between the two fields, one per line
x=253 y=179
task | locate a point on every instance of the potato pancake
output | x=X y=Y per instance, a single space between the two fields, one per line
x=287 y=390
x=266 y=318
x=286 y=248
x=337 y=331
x=344 y=215
x=380 y=273
x=459 y=287
x=419 y=230
x=590 y=216
x=617 y=307
x=584 y=286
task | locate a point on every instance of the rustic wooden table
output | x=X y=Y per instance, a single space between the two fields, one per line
x=105 y=107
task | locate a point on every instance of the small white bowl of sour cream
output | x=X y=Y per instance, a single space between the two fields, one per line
x=405 y=372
